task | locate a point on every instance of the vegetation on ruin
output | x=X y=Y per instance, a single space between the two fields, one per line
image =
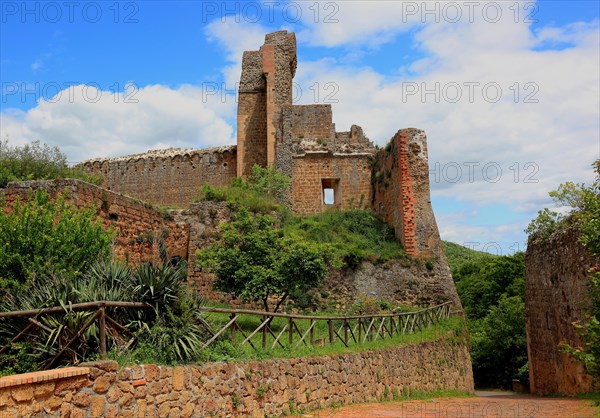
x=266 y=251
x=256 y=261
x=37 y=161
x=348 y=237
x=45 y=236
x=262 y=192
x=492 y=290
x=583 y=202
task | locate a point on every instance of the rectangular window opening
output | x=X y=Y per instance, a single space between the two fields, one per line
x=330 y=191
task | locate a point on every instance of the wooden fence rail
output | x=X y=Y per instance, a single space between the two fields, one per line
x=302 y=329
x=293 y=331
x=99 y=316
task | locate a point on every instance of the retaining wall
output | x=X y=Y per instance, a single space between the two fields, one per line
x=252 y=389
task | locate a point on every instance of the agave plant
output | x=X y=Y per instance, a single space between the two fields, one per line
x=175 y=326
x=159 y=285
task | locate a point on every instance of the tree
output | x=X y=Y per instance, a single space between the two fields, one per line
x=483 y=282
x=498 y=343
x=254 y=261
x=43 y=236
x=29 y=162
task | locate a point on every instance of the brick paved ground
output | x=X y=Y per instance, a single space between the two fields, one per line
x=489 y=405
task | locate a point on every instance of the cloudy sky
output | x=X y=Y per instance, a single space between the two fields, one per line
x=507 y=91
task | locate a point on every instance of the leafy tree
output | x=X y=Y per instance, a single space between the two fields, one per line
x=43 y=236
x=584 y=204
x=491 y=289
x=498 y=343
x=484 y=282
x=254 y=261
x=269 y=182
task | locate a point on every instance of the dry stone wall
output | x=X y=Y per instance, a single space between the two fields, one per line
x=252 y=389
x=556 y=295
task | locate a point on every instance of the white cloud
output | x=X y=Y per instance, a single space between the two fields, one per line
x=235 y=38
x=369 y=23
x=86 y=122
x=558 y=133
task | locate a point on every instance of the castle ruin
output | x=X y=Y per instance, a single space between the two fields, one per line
x=303 y=143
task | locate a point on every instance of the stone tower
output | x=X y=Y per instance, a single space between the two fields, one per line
x=265 y=87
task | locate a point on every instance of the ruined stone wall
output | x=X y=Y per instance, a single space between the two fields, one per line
x=556 y=295
x=169 y=177
x=203 y=220
x=401 y=193
x=406 y=282
x=265 y=87
x=311 y=122
x=138 y=226
x=350 y=174
x=252 y=389
x=251 y=115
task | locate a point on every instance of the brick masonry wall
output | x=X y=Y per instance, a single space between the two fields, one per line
x=401 y=192
x=314 y=122
x=172 y=180
x=556 y=295
x=352 y=170
x=137 y=225
x=252 y=389
x=400 y=182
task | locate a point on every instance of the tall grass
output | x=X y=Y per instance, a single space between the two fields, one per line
x=349 y=236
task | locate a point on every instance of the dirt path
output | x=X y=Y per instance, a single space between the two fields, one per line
x=485 y=404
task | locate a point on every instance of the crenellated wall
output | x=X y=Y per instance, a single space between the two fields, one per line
x=169 y=177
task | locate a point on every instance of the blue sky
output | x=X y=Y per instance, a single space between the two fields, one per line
x=108 y=79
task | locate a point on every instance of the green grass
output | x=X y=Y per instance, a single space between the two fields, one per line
x=237 y=194
x=350 y=236
x=227 y=350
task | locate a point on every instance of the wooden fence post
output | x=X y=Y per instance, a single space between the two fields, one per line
x=102 y=332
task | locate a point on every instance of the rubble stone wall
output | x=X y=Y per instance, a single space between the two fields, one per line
x=252 y=389
x=556 y=295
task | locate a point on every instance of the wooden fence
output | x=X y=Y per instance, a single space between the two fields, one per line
x=105 y=323
x=300 y=329
x=274 y=329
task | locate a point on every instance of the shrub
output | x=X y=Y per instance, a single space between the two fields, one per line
x=43 y=236
x=171 y=332
x=262 y=192
x=37 y=161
